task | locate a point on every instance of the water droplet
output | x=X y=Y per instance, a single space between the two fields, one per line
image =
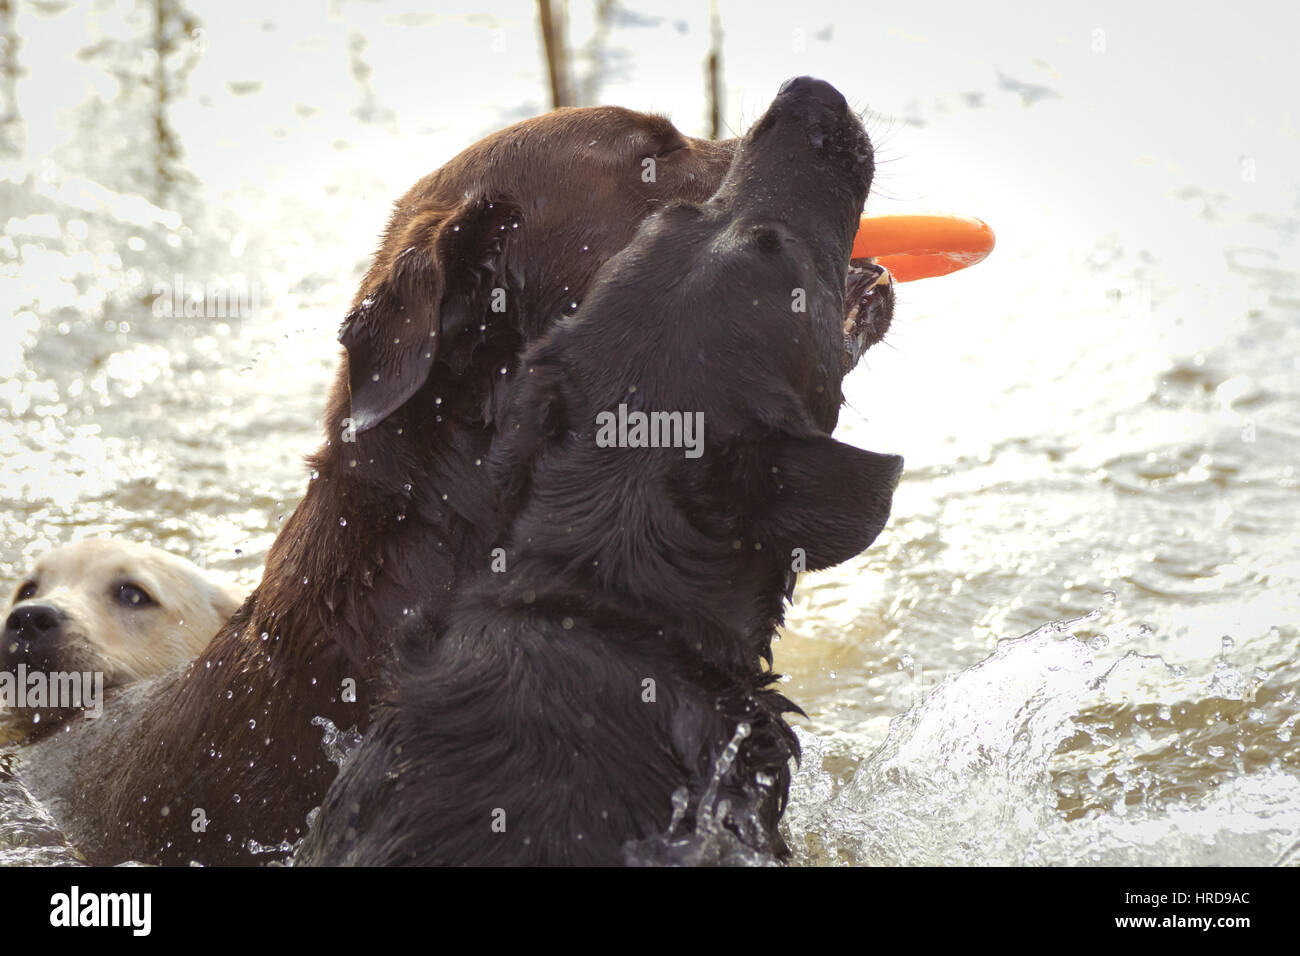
x=1285 y=732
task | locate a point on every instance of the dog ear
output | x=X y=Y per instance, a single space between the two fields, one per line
x=826 y=498
x=417 y=302
x=225 y=600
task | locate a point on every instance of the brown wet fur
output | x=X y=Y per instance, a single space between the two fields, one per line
x=370 y=557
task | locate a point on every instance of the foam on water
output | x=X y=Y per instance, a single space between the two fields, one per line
x=969 y=776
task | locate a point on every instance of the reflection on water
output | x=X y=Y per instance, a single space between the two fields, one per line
x=1099 y=422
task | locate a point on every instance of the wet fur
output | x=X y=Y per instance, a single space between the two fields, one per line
x=534 y=209
x=524 y=734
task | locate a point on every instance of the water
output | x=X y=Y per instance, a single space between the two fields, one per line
x=1041 y=754
x=28 y=835
x=1099 y=422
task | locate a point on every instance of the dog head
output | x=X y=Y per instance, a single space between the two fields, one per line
x=484 y=253
x=730 y=313
x=796 y=190
x=118 y=608
x=768 y=252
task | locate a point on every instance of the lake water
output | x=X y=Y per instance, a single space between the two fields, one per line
x=1076 y=641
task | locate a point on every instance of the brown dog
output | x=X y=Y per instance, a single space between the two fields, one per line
x=526 y=736
x=220 y=761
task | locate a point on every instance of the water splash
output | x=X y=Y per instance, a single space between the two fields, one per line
x=338 y=744
x=28 y=834
x=712 y=841
x=972 y=774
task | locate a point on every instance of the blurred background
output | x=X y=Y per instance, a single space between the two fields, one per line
x=1100 y=422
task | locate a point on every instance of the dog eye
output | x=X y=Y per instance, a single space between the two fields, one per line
x=664 y=147
x=28 y=590
x=767 y=238
x=132 y=596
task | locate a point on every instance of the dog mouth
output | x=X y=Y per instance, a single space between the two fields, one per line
x=868 y=307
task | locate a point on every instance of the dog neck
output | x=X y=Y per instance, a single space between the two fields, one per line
x=651 y=566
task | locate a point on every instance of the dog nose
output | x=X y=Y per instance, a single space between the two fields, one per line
x=32 y=622
x=811 y=89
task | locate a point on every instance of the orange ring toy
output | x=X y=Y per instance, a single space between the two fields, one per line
x=922 y=246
